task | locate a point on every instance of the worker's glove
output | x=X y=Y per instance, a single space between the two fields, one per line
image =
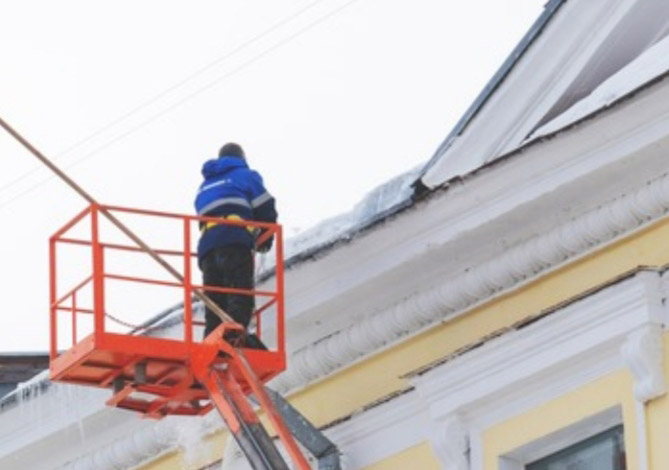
x=265 y=246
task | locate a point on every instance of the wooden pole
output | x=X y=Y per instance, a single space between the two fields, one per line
x=123 y=228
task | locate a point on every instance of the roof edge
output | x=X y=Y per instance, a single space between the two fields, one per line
x=493 y=84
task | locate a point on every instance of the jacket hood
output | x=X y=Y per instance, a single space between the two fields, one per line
x=220 y=166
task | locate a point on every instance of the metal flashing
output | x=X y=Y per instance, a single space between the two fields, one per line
x=537 y=28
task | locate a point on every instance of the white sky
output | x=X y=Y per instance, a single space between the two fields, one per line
x=328 y=97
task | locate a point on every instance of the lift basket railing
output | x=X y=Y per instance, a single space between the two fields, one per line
x=69 y=302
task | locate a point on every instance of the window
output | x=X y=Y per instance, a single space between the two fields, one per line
x=604 y=451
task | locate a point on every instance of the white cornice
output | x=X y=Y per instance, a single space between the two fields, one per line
x=449 y=439
x=506 y=271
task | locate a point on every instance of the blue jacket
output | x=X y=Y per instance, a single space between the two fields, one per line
x=231 y=188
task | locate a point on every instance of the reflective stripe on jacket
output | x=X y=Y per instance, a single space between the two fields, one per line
x=230 y=188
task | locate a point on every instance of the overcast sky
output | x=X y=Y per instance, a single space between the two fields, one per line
x=330 y=98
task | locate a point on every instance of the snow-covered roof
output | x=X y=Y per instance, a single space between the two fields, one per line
x=382 y=200
x=493 y=84
x=651 y=64
x=581 y=45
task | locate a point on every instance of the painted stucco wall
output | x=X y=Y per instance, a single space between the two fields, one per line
x=417 y=457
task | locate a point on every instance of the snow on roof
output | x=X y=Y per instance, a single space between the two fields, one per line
x=649 y=65
x=375 y=204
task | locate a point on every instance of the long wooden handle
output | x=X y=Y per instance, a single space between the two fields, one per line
x=122 y=227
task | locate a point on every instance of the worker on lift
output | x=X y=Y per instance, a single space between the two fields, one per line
x=225 y=252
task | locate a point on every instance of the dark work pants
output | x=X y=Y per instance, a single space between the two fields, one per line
x=229 y=266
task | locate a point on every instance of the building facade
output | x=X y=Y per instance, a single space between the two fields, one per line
x=504 y=308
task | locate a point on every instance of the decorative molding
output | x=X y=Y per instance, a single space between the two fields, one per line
x=500 y=274
x=601 y=320
x=643 y=352
x=449 y=439
x=128 y=451
x=146 y=444
x=570 y=348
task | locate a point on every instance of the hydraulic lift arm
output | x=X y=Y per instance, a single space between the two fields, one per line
x=222 y=380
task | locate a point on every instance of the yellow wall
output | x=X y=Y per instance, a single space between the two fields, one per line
x=381 y=375
x=419 y=457
x=209 y=451
x=170 y=461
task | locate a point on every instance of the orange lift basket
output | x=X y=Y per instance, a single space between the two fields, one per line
x=157 y=376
